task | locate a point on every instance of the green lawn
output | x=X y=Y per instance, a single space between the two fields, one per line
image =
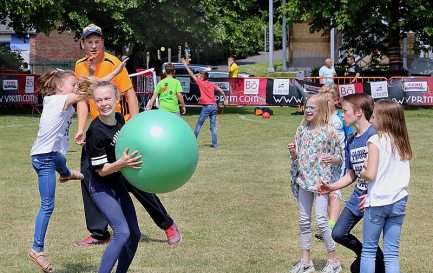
x=261 y=70
x=236 y=214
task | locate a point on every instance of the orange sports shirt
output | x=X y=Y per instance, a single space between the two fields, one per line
x=110 y=62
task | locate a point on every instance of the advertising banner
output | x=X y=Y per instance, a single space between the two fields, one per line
x=239 y=91
x=18 y=89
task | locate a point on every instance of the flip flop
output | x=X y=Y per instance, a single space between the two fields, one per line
x=41 y=261
x=75 y=175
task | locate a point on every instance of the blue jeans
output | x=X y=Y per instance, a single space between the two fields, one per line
x=208 y=110
x=388 y=218
x=341 y=235
x=46 y=166
x=114 y=202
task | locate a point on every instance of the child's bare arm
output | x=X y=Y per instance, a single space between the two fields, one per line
x=193 y=76
x=182 y=103
x=116 y=71
x=133 y=160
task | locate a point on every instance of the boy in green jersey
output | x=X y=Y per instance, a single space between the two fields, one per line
x=169 y=91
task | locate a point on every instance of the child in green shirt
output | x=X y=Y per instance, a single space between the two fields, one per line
x=169 y=91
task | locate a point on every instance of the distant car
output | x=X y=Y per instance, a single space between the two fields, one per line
x=221 y=74
x=180 y=69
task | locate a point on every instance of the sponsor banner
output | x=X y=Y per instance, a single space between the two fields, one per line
x=379 y=89
x=251 y=86
x=281 y=87
x=291 y=91
x=225 y=86
x=10 y=85
x=30 y=85
x=352 y=88
x=312 y=88
x=346 y=89
x=234 y=90
x=296 y=93
x=417 y=91
x=251 y=92
x=186 y=84
x=18 y=89
x=415 y=86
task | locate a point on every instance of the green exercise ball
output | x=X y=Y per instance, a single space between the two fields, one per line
x=168 y=146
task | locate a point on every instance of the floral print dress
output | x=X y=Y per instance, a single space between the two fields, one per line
x=308 y=170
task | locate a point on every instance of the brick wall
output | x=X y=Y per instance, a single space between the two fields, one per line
x=55 y=50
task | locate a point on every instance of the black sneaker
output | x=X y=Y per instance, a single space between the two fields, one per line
x=318 y=236
x=355 y=267
x=298 y=113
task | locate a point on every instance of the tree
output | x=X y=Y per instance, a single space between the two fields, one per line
x=369 y=27
x=9 y=59
x=226 y=26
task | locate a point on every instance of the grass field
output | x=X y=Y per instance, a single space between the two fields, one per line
x=235 y=214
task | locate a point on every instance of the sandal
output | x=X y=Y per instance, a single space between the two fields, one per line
x=41 y=260
x=75 y=175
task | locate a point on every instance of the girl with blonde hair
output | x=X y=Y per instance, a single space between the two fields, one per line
x=316 y=155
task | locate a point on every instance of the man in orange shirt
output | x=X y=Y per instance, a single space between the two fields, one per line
x=99 y=63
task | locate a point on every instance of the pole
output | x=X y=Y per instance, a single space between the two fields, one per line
x=169 y=55
x=265 y=39
x=405 y=53
x=179 y=54
x=271 y=37
x=332 y=45
x=284 y=30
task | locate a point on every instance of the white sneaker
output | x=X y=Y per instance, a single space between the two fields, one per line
x=301 y=267
x=332 y=267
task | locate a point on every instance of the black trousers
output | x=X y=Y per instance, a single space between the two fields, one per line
x=97 y=223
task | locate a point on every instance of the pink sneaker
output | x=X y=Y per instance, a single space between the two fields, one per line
x=173 y=235
x=92 y=241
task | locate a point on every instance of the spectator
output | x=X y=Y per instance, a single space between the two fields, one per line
x=25 y=69
x=327 y=72
x=233 y=68
x=353 y=70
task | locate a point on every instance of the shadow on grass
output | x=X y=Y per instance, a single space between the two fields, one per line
x=77 y=268
x=146 y=239
x=318 y=264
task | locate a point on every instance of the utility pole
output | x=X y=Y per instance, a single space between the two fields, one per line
x=284 y=30
x=332 y=44
x=271 y=37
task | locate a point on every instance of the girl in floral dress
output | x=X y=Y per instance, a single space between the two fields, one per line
x=316 y=156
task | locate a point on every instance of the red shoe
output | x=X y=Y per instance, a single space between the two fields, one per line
x=92 y=241
x=173 y=235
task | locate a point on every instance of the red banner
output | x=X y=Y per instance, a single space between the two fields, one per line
x=18 y=89
x=247 y=91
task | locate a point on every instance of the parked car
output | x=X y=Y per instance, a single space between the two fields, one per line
x=222 y=74
x=180 y=69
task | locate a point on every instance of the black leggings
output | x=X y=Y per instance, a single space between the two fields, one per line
x=96 y=221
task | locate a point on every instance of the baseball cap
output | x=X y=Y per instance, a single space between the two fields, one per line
x=91 y=29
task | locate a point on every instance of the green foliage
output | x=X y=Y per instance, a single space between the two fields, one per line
x=228 y=27
x=370 y=26
x=9 y=59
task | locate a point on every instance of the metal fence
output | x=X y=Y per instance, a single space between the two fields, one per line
x=40 y=68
